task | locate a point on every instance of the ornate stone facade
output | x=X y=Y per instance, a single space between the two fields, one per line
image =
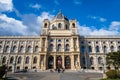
x=59 y=45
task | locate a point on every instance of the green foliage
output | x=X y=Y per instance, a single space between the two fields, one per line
x=113 y=74
x=2 y=70
x=113 y=59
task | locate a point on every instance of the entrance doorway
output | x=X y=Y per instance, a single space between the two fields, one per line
x=59 y=62
x=67 y=62
x=50 y=62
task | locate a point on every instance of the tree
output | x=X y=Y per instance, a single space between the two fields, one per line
x=113 y=59
x=2 y=70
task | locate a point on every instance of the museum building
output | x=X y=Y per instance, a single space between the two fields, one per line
x=58 y=45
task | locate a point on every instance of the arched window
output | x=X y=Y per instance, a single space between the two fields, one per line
x=59 y=47
x=82 y=49
x=91 y=61
x=100 y=61
x=66 y=27
x=36 y=48
x=97 y=49
x=51 y=47
x=7 y=49
x=45 y=25
x=59 y=40
x=51 y=40
x=89 y=49
x=19 y=60
x=29 y=49
x=67 y=47
x=35 y=60
x=118 y=48
x=4 y=59
x=11 y=60
x=83 y=60
x=0 y=48
x=73 y=25
x=27 y=60
x=21 y=49
x=14 y=49
x=104 y=49
x=53 y=27
x=112 y=48
x=59 y=25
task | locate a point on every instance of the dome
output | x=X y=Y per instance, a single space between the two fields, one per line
x=60 y=16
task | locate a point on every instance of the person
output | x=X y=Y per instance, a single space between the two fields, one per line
x=63 y=70
x=58 y=69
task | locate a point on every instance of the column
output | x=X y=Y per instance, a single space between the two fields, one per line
x=44 y=62
x=72 y=62
x=40 y=44
x=101 y=48
x=79 y=61
x=38 y=63
x=54 y=61
x=46 y=43
x=72 y=47
x=116 y=46
x=31 y=63
x=96 y=62
x=63 y=61
x=55 y=43
x=108 y=47
x=93 y=51
x=77 y=44
x=63 y=46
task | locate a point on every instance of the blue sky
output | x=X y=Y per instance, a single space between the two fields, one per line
x=94 y=17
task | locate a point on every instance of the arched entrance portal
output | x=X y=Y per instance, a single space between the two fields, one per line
x=50 y=62
x=67 y=62
x=59 y=62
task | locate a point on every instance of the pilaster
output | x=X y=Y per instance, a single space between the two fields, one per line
x=63 y=61
x=54 y=61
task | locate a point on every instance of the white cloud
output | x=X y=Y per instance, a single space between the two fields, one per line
x=6 y=5
x=101 y=19
x=11 y=26
x=35 y=6
x=30 y=24
x=85 y=30
x=34 y=22
x=93 y=17
x=77 y=2
x=115 y=25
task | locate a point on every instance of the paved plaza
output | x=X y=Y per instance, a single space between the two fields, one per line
x=54 y=76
